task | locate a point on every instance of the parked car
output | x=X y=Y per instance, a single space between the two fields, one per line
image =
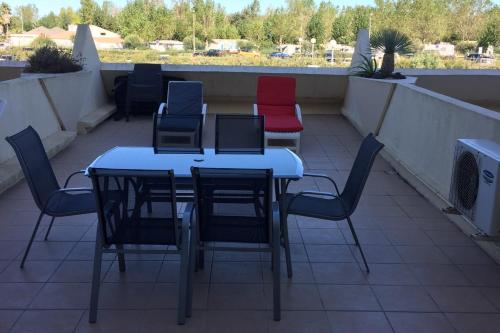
x=215 y=53
x=330 y=56
x=281 y=55
x=199 y=54
x=480 y=58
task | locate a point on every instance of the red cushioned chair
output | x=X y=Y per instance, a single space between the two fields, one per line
x=276 y=102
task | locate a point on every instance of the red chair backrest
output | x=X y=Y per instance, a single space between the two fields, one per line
x=275 y=90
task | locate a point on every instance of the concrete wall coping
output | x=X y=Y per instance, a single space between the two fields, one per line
x=267 y=69
x=295 y=70
x=465 y=105
x=232 y=69
x=13 y=63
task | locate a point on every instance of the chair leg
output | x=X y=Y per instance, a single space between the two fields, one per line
x=121 y=258
x=96 y=279
x=31 y=239
x=192 y=268
x=276 y=278
x=50 y=227
x=286 y=241
x=357 y=243
x=183 y=283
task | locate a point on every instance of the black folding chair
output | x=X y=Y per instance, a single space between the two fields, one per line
x=237 y=134
x=50 y=198
x=337 y=206
x=144 y=85
x=225 y=213
x=124 y=220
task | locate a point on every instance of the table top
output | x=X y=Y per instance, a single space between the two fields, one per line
x=285 y=163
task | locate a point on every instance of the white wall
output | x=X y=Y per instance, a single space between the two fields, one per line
x=421 y=127
x=26 y=105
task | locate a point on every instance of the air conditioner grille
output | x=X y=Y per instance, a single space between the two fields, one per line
x=466 y=181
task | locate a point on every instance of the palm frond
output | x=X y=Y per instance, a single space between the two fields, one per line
x=391 y=41
x=367 y=68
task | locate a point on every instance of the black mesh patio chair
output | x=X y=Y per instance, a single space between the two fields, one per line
x=184 y=98
x=50 y=198
x=337 y=206
x=225 y=213
x=144 y=85
x=124 y=224
x=237 y=134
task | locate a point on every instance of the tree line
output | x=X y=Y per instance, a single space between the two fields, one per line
x=424 y=21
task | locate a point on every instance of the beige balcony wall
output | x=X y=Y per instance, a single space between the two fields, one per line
x=420 y=130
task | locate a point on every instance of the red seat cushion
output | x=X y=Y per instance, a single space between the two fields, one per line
x=276 y=90
x=276 y=110
x=282 y=124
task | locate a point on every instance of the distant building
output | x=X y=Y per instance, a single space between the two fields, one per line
x=163 y=45
x=333 y=45
x=289 y=49
x=61 y=37
x=103 y=39
x=442 y=49
x=225 y=44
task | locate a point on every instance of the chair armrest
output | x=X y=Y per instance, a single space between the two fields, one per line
x=121 y=83
x=64 y=190
x=276 y=220
x=298 y=112
x=71 y=176
x=319 y=193
x=317 y=175
x=255 y=110
x=204 y=112
x=160 y=109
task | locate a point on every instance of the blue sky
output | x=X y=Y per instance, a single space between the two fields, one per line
x=45 y=6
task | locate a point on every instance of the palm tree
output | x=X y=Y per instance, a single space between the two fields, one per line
x=5 y=15
x=390 y=41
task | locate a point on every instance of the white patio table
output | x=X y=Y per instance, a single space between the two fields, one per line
x=285 y=164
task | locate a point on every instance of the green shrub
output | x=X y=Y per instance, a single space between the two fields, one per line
x=133 y=42
x=42 y=42
x=246 y=46
x=48 y=59
x=426 y=60
x=188 y=44
x=466 y=47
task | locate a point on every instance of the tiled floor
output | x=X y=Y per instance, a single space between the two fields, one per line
x=426 y=275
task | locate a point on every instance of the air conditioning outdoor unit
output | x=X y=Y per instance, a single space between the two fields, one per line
x=475 y=184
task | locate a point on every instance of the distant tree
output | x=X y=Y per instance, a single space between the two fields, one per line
x=327 y=13
x=5 y=16
x=66 y=17
x=277 y=26
x=490 y=34
x=88 y=11
x=147 y=20
x=360 y=19
x=28 y=15
x=40 y=42
x=49 y=21
x=300 y=13
x=341 y=29
x=315 y=28
x=133 y=41
x=468 y=18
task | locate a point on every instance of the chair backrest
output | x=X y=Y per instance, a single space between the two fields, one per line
x=146 y=73
x=35 y=164
x=185 y=97
x=276 y=90
x=236 y=134
x=233 y=205
x=145 y=83
x=122 y=197
x=360 y=171
x=170 y=133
